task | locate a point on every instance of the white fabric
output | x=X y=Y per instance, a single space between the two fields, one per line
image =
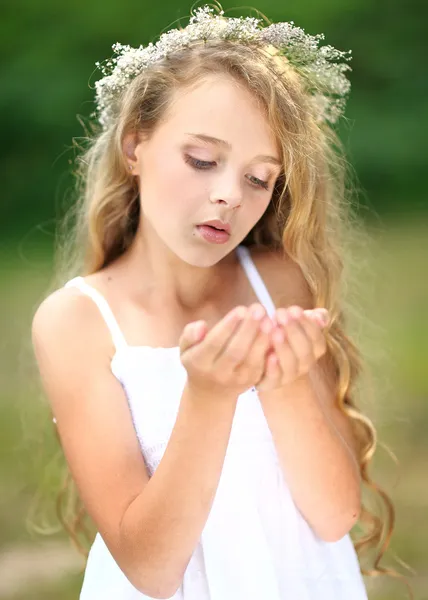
x=255 y=544
x=101 y=302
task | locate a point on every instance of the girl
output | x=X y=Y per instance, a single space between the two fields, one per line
x=201 y=394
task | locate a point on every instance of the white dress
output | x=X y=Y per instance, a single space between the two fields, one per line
x=255 y=544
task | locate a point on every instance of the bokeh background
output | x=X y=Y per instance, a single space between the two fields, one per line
x=49 y=50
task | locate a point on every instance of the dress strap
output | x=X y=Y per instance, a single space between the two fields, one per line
x=255 y=279
x=105 y=310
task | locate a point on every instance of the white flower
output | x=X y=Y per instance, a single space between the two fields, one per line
x=327 y=81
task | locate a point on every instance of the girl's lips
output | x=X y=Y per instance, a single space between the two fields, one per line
x=210 y=234
x=218 y=224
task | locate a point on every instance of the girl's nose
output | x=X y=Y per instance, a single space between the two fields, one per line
x=229 y=190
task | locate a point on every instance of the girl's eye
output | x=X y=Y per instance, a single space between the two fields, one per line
x=203 y=164
x=259 y=182
x=198 y=164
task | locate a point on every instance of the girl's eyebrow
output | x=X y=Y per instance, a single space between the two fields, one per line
x=203 y=137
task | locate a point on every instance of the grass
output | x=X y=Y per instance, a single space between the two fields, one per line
x=396 y=342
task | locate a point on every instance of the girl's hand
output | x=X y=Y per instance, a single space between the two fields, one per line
x=297 y=343
x=228 y=359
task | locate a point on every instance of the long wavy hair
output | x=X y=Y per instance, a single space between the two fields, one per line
x=310 y=217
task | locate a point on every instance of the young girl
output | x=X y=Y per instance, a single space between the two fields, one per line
x=198 y=369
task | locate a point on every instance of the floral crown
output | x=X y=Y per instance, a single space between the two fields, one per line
x=327 y=85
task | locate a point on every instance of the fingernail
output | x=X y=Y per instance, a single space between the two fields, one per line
x=257 y=312
x=282 y=318
x=323 y=316
x=239 y=313
x=294 y=312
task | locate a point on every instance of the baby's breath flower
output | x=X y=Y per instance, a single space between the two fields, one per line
x=326 y=79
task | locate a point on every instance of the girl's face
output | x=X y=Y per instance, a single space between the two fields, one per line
x=185 y=180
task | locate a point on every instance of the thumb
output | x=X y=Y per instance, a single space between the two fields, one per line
x=193 y=333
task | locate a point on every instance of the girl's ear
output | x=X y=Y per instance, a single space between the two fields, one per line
x=132 y=145
x=129 y=146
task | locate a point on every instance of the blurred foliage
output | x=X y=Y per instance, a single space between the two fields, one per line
x=48 y=78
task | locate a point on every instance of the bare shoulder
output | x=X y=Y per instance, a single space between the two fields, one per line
x=283 y=278
x=61 y=305
x=67 y=316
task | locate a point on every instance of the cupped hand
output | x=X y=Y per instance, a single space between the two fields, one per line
x=276 y=361
x=229 y=358
x=297 y=342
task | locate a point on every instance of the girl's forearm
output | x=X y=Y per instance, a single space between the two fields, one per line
x=318 y=466
x=162 y=526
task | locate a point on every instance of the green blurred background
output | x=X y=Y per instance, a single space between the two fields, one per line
x=49 y=52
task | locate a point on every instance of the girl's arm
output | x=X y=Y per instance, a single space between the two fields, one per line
x=171 y=513
x=318 y=465
x=150 y=525
x=314 y=439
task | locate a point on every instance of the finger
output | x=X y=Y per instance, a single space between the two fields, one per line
x=273 y=367
x=257 y=356
x=316 y=334
x=310 y=325
x=218 y=336
x=238 y=346
x=286 y=357
x=193 y=333
x=271 y=375
x=319 y=315
x=300 y=343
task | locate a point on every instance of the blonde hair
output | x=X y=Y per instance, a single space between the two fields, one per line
x=310 y=217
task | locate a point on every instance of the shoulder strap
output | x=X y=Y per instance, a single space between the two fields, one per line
x=105 y=310
x=255 y=279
